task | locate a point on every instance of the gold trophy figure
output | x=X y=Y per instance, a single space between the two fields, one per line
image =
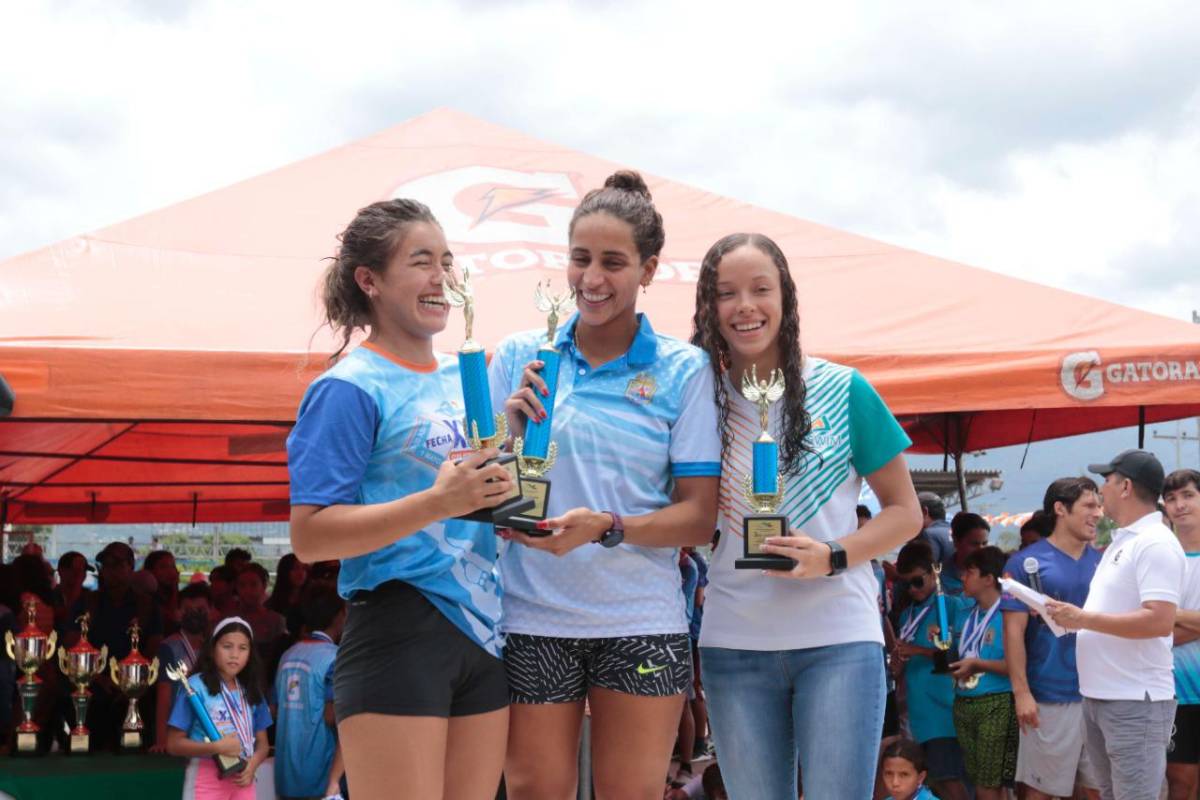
x=483 y=428
x=764 y=489
x=133 y=675
x=80 y=664
x=535 y=452
x=945 y=637
x=29 y=649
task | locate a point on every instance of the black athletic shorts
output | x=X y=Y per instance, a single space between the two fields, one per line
x=399 y=655
x=547 y=669
x=1184 y=747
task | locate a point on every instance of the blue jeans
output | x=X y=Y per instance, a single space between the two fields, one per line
x=823 y=705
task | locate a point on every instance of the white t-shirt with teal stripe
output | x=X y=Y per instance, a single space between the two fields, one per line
x=1187 y=656
x=853 y=434
x=625 y=431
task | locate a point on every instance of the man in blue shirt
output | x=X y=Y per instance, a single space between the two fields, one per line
x=308 y=760
x=1041 y=667
x=935 y=530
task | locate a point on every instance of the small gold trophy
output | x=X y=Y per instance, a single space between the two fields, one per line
x=133 y=675
x=483 y=428
x=945 y=637
x=29 y=649
x=764 y=489
x=80 y=664
x=535 y=452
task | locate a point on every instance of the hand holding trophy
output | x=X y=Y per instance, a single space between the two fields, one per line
x=483 y=427
x=226 y=765
x=535 y=452
x=29 y=649
x=764 y=489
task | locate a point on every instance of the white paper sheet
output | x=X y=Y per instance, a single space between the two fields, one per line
x=1034 y=599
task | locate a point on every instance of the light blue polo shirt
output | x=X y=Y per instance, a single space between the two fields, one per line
x=1187 y=656
x=625 y=431
x=373 y=429
x=991 y=648
x=930 y=695
x=304 y=743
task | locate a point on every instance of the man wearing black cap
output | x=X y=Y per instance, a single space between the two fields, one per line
x=1123 y=650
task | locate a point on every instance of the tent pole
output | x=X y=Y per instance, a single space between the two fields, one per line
x=1141 y=427
x=3 y=529
x=945 y=443
x=962 y=480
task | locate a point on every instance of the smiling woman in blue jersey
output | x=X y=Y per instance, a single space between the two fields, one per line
x=420 y=693
x=595 y=610
x=792 y=661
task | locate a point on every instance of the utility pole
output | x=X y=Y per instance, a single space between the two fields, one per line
x=1179 y=438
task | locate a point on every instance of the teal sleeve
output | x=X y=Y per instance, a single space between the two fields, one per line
x=875 y=435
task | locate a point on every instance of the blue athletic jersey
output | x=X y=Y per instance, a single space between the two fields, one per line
x=930 y=695
x=951 y=580
x=991 y=649
x=183 y=718
x=923 y=793
x=304 y=743
x=625 y=431
x=1187 y=656
x=373 y=429
x=1050 y=660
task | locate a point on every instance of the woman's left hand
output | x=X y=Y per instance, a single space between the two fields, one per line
x=577 y=527
x=812 y=557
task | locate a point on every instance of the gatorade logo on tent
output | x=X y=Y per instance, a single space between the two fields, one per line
x=509 y=220
x=488 y=205
x=1085 y=377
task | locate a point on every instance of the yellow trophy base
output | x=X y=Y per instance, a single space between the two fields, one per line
x=80 y=742
x=131 y=740
x=26 y=741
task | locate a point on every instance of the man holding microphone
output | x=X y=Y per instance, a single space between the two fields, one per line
x=1123 y=648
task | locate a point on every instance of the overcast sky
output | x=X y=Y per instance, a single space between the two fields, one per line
x=1056 y=141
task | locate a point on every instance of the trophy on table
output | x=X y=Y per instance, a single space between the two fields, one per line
x=226 y=765
x=483 y=428
x=945 y=637
x=80 y=664
x=29 y=649
x=764 y=489
x=133 y=675
x=535 y=452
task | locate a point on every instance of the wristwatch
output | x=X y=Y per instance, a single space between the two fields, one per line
x=616 y=532
x=837 y=558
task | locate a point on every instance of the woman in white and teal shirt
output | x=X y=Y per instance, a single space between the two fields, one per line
x=792 y=661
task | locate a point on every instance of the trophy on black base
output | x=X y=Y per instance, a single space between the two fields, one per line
x=29 y=649
x=483 y=428
x=81 y=664
x=535 y=452
x=945 y=637
x=133 y=675
x=764 y=489
x=226 y=765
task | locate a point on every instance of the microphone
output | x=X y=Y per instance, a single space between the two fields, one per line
x=1031 y=569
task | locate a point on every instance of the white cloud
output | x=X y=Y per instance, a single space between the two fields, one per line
x=1055 y=141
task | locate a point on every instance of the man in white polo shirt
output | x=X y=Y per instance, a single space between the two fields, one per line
x=1123 y=650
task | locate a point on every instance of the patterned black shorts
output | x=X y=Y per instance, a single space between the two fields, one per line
x=547 y=669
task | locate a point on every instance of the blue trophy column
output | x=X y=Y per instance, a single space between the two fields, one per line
x=766 y=466
x=472 y=367
x=537 y=433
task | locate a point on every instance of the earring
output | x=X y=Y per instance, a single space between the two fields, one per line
x=644 y=287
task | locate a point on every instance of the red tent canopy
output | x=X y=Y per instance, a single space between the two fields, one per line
x=158 y=363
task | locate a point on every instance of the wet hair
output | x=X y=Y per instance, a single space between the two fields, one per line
x=370 y=240
x=989 y=560
x=1066 y=491
x=964 y=522
x=1181 y=478
x=251 y=676
x=706 y=334
x=907 y=749
x=278 y=600
x=626 y=197
x=320 y=606
x=915 y=555
x=1040 y=522
x=196 y=590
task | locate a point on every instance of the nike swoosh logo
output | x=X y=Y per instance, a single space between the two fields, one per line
x=649 y=669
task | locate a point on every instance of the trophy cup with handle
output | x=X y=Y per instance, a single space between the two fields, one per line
x=133 y=675
x=81 y=664
x=764 y=489
x=29 y=649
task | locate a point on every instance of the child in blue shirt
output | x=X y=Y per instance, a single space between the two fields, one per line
x=228 y=680
x=902 y=769
x=985 y=717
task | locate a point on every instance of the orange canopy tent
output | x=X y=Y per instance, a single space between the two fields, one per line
x=157 y=364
